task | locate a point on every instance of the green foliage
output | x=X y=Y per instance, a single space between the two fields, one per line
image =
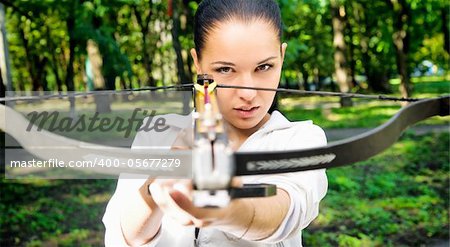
x=397 y=198
x=135 y=41
x=309 y=39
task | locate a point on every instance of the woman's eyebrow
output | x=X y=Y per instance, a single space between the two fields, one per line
x=223 y=63
x=232 y=64
x=267 y=59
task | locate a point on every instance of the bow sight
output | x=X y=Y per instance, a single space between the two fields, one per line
x=213 y=161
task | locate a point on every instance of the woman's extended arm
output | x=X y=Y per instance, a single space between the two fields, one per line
x=255 y=218
x=140 y=216
x=249 y=218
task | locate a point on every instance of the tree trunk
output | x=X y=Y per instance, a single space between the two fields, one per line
x=376 y=75
x=400 y=39
x=42 y=72
x=352 y=60
x=144 y=26
x=316 y=79
x=445 y=30
x=102 y=102
x=70 y=22
x=96 y=63
x=305 y=77
x=56 y=73
x=182 y=77
x=4 y=52
x=28 y=61
x=187 y=29
x=338 y=21
x=35 y=64
x=402 y=66
x=54 y=62
x=147 y=63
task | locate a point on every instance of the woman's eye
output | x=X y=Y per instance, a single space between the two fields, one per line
x=224 y=70
x=264 y=67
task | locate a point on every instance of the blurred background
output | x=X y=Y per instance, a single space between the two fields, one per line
x=398 y=47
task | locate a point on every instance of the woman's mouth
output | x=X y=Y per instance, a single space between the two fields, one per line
x=246 y=112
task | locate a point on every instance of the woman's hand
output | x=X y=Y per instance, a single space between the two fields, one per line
x=248 y=218
x=184 y=139
x=173 y=197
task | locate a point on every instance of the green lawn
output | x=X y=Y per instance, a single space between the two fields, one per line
x=48 y=212
x=367 y=115
x=398 y=198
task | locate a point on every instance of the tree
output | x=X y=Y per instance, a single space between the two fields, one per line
x=147 y=42
x=70 y=22
x=401 y=22
x=375 y=44
x=182 y=76
x=340 y=63
x=5 y=77
x=445 y=28
x=310 y=49
x=143 y=16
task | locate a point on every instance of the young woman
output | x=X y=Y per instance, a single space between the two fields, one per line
x=238 y=42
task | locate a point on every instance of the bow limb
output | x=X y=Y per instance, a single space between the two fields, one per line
x=49 y=146
x=342 y=152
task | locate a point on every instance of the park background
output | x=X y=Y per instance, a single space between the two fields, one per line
x=398 y=47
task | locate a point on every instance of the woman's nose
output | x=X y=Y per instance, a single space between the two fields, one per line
x=247 y=94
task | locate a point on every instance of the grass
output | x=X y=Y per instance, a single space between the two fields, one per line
x=41 y=212
x=360 y=116
x=388 y=200
x=423 y=79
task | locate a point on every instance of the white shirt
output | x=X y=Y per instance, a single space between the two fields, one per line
x=305 y=189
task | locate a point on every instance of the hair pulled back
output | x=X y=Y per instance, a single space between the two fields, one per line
x=210 y=13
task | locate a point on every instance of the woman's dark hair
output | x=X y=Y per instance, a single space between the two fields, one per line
x=212 y=12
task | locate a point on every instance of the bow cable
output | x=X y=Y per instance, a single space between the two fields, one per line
x=191 y=85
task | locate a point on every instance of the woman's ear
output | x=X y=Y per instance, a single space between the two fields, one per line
x=196 y=62
x=283 y=50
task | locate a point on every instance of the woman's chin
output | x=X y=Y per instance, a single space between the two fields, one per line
x=245 y=124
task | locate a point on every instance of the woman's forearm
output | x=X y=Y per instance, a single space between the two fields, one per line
x=140 y=217
x=256 y=218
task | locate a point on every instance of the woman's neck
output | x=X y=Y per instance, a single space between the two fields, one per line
x=238 y=136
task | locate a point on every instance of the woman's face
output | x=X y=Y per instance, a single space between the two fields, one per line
x=243 y=54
